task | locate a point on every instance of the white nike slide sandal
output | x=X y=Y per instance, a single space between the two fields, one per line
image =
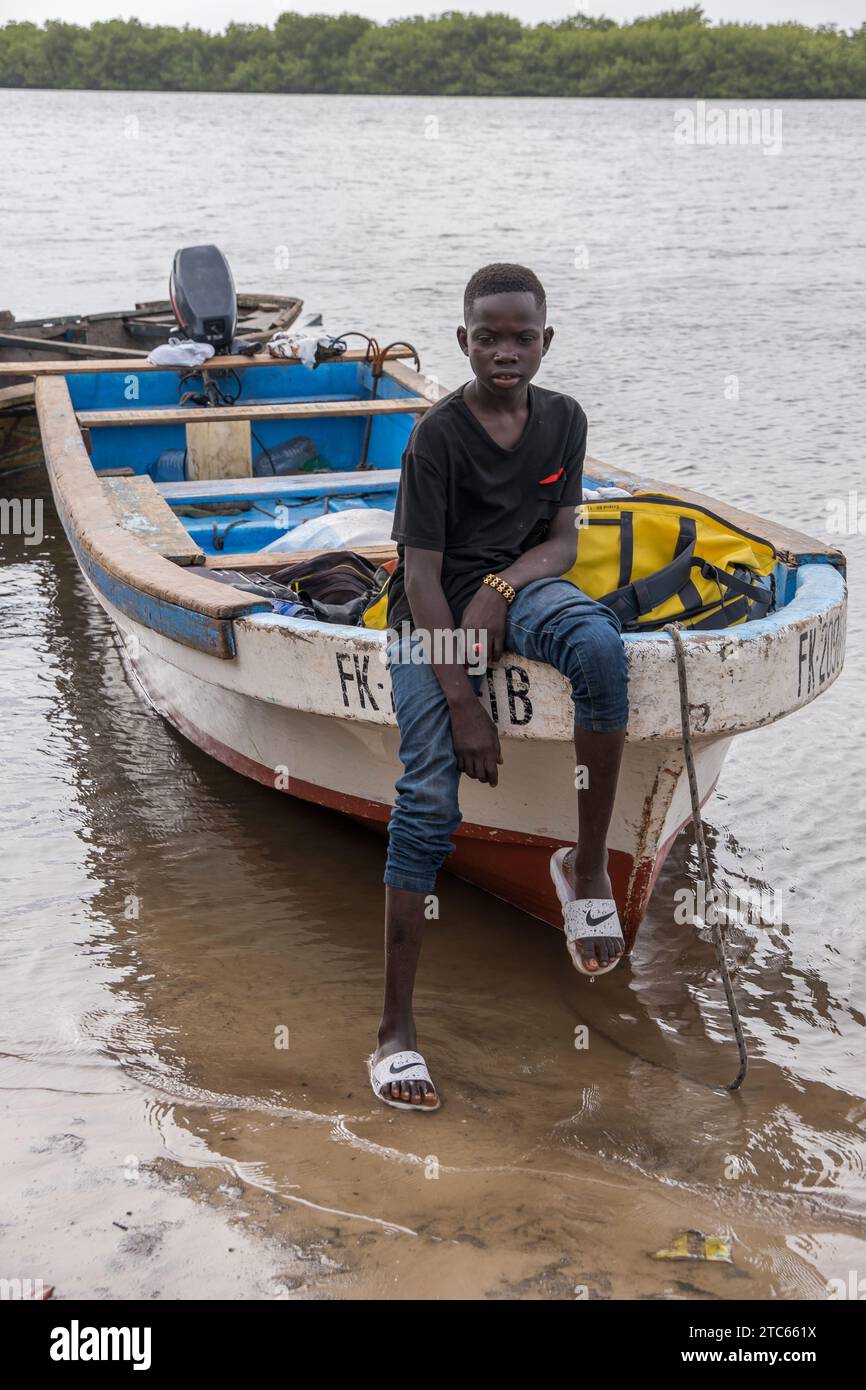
x=586 y=919
x=401 y=1066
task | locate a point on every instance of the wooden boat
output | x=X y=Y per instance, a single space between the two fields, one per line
x=122 y=333
x=127 y=333
x=305 y=707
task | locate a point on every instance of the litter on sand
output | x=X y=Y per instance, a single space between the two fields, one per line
x=694 y=1245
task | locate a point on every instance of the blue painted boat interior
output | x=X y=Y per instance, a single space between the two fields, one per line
x=271 y=505
x=338 y=442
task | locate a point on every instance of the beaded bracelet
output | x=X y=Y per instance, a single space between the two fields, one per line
x=501 y=586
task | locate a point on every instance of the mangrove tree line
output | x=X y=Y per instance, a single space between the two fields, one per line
x=674 y=54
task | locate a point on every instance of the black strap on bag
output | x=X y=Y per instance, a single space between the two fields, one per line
x=761 y=597
x=641 y=596
x=689 y=595
x=633 y=601
x=349 y=614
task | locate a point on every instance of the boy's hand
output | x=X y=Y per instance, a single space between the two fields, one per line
x=476 y=742
x=486 y=612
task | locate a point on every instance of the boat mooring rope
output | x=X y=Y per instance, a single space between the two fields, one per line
x=703 y=859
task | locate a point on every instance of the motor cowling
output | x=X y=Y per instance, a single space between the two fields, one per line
x=202 y=293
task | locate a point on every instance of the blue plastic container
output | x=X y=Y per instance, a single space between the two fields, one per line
x=170 y=467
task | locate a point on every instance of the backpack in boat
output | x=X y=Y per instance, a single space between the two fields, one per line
x=337 y=584
x=655 y=559
x=284 y=600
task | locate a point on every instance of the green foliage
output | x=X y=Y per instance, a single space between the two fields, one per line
x=675 y=54
x=674 y=19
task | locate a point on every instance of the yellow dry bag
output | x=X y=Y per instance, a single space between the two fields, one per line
x=655 y=559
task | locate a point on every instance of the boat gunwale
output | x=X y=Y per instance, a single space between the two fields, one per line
x=790 y=615
x=112 y=366
x=749 y=655
x=111 y=555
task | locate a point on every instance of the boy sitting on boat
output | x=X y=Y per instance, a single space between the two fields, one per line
x=486 y=524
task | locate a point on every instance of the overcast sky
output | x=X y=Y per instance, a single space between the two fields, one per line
x=215 y=14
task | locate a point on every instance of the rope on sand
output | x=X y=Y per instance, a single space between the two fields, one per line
x=703 y=859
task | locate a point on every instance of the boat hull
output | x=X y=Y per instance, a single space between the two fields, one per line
x=350 y=765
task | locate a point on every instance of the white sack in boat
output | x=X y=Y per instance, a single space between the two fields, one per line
x=180 y=352
x=601 y=494
x=337 y=531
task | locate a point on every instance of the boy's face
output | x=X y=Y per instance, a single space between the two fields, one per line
x=505 y=339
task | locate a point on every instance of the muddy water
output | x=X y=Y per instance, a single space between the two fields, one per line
x=166 y=924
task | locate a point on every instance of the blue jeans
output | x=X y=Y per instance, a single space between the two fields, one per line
x=550 y=620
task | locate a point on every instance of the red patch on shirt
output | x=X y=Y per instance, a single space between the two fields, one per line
x=553 y=477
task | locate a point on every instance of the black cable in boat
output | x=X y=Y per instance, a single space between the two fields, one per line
x=213 y=394
x=265 y=450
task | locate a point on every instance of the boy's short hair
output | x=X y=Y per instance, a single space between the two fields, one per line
x=503 y=277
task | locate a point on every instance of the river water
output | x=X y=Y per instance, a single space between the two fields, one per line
x=162 y=918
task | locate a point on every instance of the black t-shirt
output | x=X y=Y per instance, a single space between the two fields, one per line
x=482 y=505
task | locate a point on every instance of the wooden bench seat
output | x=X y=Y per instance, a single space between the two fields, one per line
x=297 y=485
x=281 y=410
x=142 y=512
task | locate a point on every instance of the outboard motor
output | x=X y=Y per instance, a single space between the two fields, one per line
x=202 y=293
